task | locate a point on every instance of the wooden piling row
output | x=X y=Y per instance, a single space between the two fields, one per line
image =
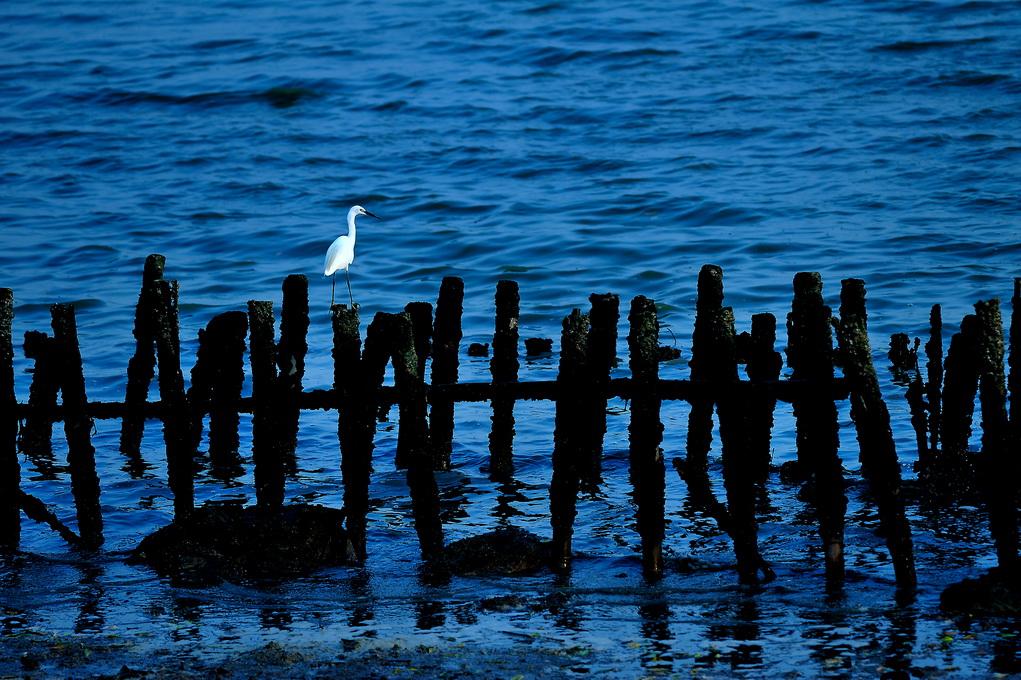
x=10 y=471
x=267 y=452
x=446 y=341
x=142 y=365
x=504 y=368
x=877 y=451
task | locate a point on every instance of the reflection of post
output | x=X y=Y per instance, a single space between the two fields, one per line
x=81 y=455
x=646 y=434
x=142 y=365
x=10 y=471
x=446 y=341
x=504 y=367
x=91 y=618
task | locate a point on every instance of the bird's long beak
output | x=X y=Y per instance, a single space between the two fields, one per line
x=371 y=215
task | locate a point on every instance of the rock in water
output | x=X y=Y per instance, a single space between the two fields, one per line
x=230 y=543
x=507 y=551
x=996 y=593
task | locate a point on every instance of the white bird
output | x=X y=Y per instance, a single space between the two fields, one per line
x=342 y=252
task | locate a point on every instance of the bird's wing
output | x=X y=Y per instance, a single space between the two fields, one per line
x=335 y=256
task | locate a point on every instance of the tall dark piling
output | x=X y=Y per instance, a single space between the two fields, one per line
x=810 y=355
x=425 y=498
x=216 y=382
x=569 y=435
x=504 y=368
x=934 y=379
x=421 y=314
x=646 y=434
x=36 y=434
x=290 y=359
x=446 y=341
x=142 y=365
x=81 y=456
x=764 y=365
x=999 y=464
x=266 y=444
x=704 y=367
x=10 y=471
x=1014 y=361
x=877 y=451
x=600 y=358
x=177 y=427
x=953 y=472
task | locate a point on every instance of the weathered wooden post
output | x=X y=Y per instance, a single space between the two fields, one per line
x=446 y=341
x=36 y=434
x=504 y=368
x=1014 y=381
x=1000 y=466
x=266 y=446
x=764 y=365
x=646 y=434
x=10 y=471
x=290 y=359
x=216 y=382
x=568 y=436
x=142 y=365
x=953 y=472
x=601 y=356
x=810 y=355
x=934 y=378
x=421 y=314
x=176 y=413
x=81 y=456
x=877 y=451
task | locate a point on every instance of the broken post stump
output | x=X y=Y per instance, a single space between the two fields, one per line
x=36 y=434
x=290 y=359
x=10 y=471
x=421 y=314
x=142 y=365
x=877 y=451
x=764 y=365
x=81 y=455
x=504 y=368
x=600 y=358
x=446 y=341
x=646 y=435
x=267 y=451
x=810 y=355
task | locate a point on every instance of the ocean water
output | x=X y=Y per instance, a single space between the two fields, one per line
x=575 y=147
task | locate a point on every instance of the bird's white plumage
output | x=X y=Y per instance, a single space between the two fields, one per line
x=341 y=252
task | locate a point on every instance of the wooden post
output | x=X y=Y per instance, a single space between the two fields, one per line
x=1000 y=466
x=601 y=356
x=446 y=341
x=81 y=456
x=953 y=472
x=646 y=435
x=568 y=437
x=216 y=382
x=877 y=451
x=934 y=380
x=764 y=365
x=810 y=355
x=504 y=368
x=1014 y=381
x=142 y=365
x=10 y=471
x=36 y=434
x=421 y=314
x=290 y=358
x=266 y=449
x=176 y=413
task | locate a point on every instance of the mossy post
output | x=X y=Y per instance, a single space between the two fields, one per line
x=142 y=365
x=934 y=381
x=877 y=451
x=81 y=455
x=1014 y=381
x=953 y=472
x=176 y=414
x=421 y=314
x=999 y=466
x=810 y=355
x=600 y=358
x=764 y=365
x=290 y=360
x=10 y=471
x=36 y=434
x=504 y=368
x=266 y=447
x=216 y=382
x=700 y=419
x=569 y=435
x=646 y=434
x=446 y=342
x=425 y=497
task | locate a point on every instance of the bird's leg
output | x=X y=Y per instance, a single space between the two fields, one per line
x=333 y=290
x=348 y=274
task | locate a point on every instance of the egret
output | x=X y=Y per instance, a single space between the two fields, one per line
x=342 y=252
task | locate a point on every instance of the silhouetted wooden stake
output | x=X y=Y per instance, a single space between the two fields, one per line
x=266 y=446
x=877 y=451
x=600 y=358
x=446 y=341
x=290 y=358
x=646 y=435
x=953 y=472
x=216 y=382
x=421 y=314
x=176 y=413
x=568 y=436
x=81 y=456
x=36 y=434
x=10 y=471
x=142 y=365
x=810 y=355
x=504 y=368
x=425 y=499
x=1000 y=466
x=1014 y=381
x=764 y=365
x=934 y=380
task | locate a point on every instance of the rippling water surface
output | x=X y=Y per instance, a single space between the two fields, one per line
x=575 y=147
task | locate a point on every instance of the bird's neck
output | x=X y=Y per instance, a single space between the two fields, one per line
x=351 y=229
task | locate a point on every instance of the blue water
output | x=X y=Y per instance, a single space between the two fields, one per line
x=574 y=147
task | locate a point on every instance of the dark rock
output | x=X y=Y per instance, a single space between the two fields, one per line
x=478 y=349
x=996 y=593
x=230 y=543
x=667 y=353
x=506 y=551
x=535 y=347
